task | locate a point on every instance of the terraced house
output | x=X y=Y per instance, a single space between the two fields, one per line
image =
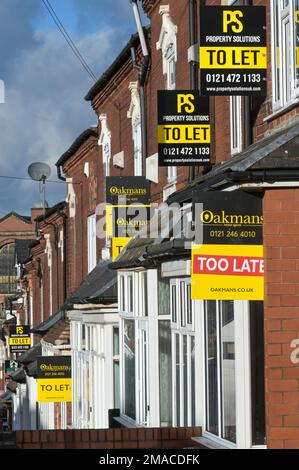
x=144 y=354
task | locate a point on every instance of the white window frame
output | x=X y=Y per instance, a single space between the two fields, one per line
x=236 y=124
x=134 y=113
x=243 y=377
x=182 y=328
x=91 y=242
x=168 y=45
x=137 y=314
x=283 y=59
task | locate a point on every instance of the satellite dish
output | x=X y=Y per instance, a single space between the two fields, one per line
x=39 y=171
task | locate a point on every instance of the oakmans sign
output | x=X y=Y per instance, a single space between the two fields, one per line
x=54 y=379
x=229 y=263
x=233 y=50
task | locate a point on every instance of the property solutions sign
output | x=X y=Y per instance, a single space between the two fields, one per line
x=54 y=379
x=229 y=262
x=233 y=51
x=184 y=131
x=19 y=338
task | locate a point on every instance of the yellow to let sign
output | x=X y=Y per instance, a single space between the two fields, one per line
x=227 y=272
x=184 y=134
x=19 y=341
x=233 y=57
x=54 y=390
x=118 y=244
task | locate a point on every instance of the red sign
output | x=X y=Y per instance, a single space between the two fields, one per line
x=230 y=265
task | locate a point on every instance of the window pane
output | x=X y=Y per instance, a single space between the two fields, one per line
x=192 y=381
x=173 y=304
x=122 y=292
x=189 y=305
x=257 y=372
x=211 y=368
x=115 y=341
x=130 y=293
x=177 y=368
x=165 y=373
x=185 y=381
x=228 y=371
x=183 y=303
x=144 y=294
x=129 y=367
x=116 y=384
x=164 y=296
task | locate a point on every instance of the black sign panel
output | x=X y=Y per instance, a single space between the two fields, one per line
x=54 y=367
x=233 y=50
x=127 y=190
x=227 y=218
x=19 y=338
x=184 y=131
x=127 y=221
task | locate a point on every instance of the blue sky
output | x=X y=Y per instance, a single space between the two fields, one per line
x=44 y=109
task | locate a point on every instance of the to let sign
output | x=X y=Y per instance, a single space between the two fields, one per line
x=233 y=50
x=184 y=131
x=19 y=338
x=54 y=379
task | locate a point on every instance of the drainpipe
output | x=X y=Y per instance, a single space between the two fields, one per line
x=141 y=82
x=193 y=65
x=247 y=131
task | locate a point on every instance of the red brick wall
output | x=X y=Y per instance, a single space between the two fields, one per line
x=155 y=438
x=281 y=307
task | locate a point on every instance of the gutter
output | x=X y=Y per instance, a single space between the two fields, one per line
x=141 y=82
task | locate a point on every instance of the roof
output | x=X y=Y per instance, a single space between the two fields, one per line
x=51 y=211
x=31 y=369
x=30 y=355
x=22 y=248
x=19 y=376
x=24 y=218
x=100 y=286
x=123 y=56
x=45 y=326
x=59 y=333
x=12 y=386
x=276 y=152
x=6 y=396
x=83 y=137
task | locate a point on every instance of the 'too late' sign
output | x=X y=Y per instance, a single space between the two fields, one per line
x=184 y=131
x=233 y=50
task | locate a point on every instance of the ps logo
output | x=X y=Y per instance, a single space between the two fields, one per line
x=185 y=103
x=231 y=19
x=19 y=330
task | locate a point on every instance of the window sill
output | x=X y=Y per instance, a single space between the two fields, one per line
x=211 y=443
x=282 y=110
x=126 y=422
